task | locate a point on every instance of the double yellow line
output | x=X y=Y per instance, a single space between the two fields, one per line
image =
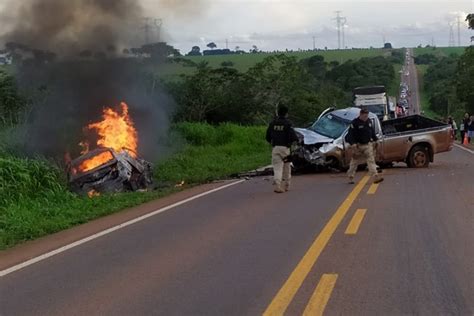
x=288 y=291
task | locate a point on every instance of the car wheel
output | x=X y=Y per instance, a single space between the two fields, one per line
x=419 y=157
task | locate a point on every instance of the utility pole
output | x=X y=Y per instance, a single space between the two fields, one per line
x=340 y=21
x=344 y=21
x=451 y=35
x=459 y=31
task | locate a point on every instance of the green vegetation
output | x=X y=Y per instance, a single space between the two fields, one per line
x=308 y=86
x=34 y=200
x=394 y=88
x=12 y=104
x=439 y=51
x=424 y=99
x=215 y=152
x=446 y=85
x=245 y=61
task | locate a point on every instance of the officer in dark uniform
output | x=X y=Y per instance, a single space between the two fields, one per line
x=281 y=135
x=362 y=137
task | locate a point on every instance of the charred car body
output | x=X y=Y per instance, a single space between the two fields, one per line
x=413 y=140
x=110 y=172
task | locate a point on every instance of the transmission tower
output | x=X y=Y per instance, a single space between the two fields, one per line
x=340 y=21
x=451 y=35
x=151 y=24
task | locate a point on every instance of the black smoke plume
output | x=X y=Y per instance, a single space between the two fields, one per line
x=72 y=69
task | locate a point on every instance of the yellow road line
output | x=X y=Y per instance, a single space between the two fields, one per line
x=318 y=301
x=373 y=188
x=353 y=226
x=285 y=295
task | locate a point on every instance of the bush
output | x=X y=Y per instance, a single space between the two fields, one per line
x=215 y=152
x=227 y=64
x=27 y=179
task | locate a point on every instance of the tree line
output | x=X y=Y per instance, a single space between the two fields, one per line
x=307 y=87
x=225 y=94
x=448 y=83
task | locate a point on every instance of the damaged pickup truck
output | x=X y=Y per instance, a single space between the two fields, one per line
x=105 y=170
x=413 y=140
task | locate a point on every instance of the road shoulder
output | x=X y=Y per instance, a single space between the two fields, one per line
x=38 y=247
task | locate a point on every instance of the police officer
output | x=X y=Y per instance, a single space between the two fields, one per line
x=281 y=135
x=362 y=136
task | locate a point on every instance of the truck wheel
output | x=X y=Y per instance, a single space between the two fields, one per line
x=419 y=157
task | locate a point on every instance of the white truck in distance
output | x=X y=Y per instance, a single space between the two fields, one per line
x=374 y=98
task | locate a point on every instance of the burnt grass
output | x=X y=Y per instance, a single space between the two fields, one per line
x=35 y=200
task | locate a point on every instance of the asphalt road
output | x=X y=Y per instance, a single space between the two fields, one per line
x=412 y=81
x=235 y=251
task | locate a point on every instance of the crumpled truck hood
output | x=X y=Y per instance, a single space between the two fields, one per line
x=310 y=137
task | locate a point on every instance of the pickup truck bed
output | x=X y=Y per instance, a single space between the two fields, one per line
x=414 y=140
x=409 y=124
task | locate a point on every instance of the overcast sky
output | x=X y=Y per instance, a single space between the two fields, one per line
x=281 y=24
x=291 y=24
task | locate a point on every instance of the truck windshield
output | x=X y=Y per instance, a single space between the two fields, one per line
x=377 y=109
x=330 y=126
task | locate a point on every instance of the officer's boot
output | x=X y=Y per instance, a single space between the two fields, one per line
x=278 y=188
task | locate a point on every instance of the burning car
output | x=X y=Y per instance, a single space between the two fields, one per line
x=114 y=166
x=104 y=170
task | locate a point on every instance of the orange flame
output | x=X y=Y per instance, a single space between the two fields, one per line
x=95 y=161
x=92 y=193
x=116 y=130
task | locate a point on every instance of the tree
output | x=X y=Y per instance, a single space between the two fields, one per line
x=195 y=51
x=227 y=64
x=254 y=49
x=425 y=59
x=470 y=20
x=160 y=51
x=464 y=75
x=387 y=46
x=211 y=45
x=12 y=105
x=316 y=66
x=237 y=48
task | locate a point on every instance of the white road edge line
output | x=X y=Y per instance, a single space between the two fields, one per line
x=464 y=148
x=110 y=230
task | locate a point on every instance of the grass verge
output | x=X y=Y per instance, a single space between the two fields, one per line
x=35 y=202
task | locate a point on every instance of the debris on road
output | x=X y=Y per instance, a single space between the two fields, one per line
x=261 y=172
